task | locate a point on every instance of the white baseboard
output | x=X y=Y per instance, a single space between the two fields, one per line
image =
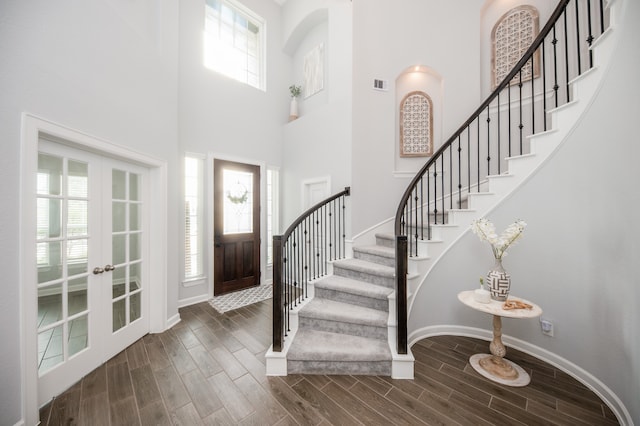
x=575 y=371
x=192 y=300
x=173 y=321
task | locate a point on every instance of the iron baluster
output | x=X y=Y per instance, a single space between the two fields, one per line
x=566 y=54
x=498 y=134
x=509 y=117
x=468 y=161
x=422 y=209
x=601 y=16
x=450 y=177
x=488 y=141
x=416 y=218
x=428 y=205
x=590 y=36
x=435 y=193
x=459 y=174
x=442 y=185
x=478 y=153
x=533 y=107
x=544 y=89
x=520 y=125
x=578 y=38
x=555 y=66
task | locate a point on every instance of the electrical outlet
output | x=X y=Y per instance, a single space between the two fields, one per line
x=546 y=326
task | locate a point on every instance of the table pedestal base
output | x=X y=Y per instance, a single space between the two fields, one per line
x=499 y=370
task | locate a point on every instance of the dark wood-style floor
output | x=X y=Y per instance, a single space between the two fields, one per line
x=209 y=369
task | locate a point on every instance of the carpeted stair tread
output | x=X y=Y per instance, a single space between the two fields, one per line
x=359 y=288
x=311 y=345
x=365 y=267
x=330 y=310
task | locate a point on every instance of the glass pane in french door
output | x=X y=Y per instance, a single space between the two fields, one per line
x=62 y=258
x=126 y=245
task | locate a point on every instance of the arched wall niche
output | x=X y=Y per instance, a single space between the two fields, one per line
x=418 y=78
x=492 y=11
x=300 y=31
x=311 y=33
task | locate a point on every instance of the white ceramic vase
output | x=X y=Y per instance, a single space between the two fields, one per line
x=293 y=109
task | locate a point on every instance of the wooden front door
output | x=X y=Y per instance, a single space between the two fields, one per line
x=236 y=226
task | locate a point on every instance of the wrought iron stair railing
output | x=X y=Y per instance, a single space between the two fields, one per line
x=518 y=107
x=302 y=254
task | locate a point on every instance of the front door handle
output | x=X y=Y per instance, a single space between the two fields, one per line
x=97 y=270
x=108 y=268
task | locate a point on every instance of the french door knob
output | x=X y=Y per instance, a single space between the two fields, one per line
x=108 y=268
x=97 y=270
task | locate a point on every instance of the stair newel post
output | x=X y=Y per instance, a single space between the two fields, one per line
x=401 y=293
x=278 y=303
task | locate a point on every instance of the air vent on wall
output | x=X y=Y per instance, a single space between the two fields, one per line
x=380 y=85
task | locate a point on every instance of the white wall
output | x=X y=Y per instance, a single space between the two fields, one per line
x=105 y=68
x=578 y=257
x=387 y=40
x=318 y=143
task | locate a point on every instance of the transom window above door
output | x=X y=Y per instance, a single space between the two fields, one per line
x=234 y=42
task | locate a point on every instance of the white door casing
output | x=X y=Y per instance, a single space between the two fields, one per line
x=34 y=129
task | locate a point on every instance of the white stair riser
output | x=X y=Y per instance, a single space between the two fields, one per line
x=370 y=368
x=374 y=258
x=355 y=299
x=352 y=329
x=364 y=276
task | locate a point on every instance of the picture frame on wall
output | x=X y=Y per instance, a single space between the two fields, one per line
x=314 y=71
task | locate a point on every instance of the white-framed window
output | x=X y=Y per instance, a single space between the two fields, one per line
x=273 y=176
x=193 y=217
x=234 y=40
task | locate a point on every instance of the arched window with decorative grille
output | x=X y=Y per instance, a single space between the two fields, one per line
x=511 y=37
x=416 y=125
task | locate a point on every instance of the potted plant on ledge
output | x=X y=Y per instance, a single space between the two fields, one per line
x=293 y=109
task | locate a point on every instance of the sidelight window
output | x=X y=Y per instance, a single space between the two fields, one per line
x=193 y=218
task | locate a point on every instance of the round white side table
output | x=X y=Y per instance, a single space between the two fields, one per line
x=494 y=366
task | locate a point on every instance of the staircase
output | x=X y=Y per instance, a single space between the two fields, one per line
x=344 y=328
x=351 y=322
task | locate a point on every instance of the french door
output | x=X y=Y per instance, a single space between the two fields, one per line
x=236 y=226
x=92 y=243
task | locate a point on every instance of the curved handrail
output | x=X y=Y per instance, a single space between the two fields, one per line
x=346 y=192
x=505 y=82
x=556 y=54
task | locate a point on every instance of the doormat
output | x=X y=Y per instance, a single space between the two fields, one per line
x=238 y=299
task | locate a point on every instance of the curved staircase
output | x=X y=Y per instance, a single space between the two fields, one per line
x=351 y=322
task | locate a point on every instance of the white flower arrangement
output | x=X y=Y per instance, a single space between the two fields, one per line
x=486 y=231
